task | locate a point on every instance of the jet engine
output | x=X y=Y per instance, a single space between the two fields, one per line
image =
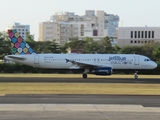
x=102 y=71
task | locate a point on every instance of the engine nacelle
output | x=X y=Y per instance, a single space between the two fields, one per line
x=102 y=71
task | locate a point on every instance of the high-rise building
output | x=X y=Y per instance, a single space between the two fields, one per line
x=63 y=26
x=21 y=29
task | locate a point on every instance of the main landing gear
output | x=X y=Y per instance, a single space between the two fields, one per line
x=136 y=75
x=84 y=75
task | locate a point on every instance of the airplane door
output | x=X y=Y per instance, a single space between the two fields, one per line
x=136 y=60
x=36 y=59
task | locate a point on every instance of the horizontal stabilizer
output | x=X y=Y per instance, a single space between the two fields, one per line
x=16 y=57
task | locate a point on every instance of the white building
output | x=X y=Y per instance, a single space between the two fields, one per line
x=60 y=31
x=62 y=27
x=137 y=36
x=21 y=29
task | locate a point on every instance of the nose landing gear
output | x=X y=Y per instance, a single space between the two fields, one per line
x=136 y=75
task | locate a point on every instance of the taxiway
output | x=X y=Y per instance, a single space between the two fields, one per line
x=144 y=100
x=80 y=80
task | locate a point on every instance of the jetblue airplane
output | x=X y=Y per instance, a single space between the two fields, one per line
x=98 y=64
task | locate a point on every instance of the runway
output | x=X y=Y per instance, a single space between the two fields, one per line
x=144 y=100
x=80 y=80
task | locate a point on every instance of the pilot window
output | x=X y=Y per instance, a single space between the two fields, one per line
x=146 y=60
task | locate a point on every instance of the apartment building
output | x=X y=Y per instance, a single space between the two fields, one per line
x=64 y=27
x=21 y=29
x=137 y=36
x=47 y=31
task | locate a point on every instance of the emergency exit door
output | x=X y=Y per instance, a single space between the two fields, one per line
x=36 y=59
x=136 y=60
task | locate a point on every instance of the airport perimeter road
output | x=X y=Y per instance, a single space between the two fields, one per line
x=80 y=80
x=146 y=101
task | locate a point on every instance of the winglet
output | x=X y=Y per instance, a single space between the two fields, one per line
x=18 y=44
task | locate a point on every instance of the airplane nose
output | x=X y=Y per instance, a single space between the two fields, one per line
x=154 y=65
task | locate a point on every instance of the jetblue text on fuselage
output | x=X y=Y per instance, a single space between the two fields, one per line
x=118 y=60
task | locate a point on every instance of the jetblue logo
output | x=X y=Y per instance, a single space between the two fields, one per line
x=67 y=60
x=119 y=60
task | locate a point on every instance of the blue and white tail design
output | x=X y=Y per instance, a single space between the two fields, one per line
x=19 y=46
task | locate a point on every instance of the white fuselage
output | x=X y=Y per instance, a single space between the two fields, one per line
x=58 y=61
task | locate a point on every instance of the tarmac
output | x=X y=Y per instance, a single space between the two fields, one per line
x=143 y=100
x=81 y=80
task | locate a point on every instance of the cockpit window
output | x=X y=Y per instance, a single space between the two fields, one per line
x=146 y=59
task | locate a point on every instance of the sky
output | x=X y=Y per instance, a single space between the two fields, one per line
x=132 y=13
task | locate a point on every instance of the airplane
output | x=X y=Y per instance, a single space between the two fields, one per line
x=98 y=64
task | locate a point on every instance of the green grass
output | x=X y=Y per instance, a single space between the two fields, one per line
x=79 y=88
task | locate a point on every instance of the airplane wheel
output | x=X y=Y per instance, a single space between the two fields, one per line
x=136 y=76
x=84 y=75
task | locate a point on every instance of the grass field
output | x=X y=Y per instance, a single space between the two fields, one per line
x=78 y=88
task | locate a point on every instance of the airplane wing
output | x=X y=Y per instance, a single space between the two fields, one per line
x=15 y=57
x=86 y=65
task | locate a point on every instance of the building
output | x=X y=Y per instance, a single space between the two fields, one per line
x=64 y=26
x=47 y=31
x=21 y=29
x=137 y=36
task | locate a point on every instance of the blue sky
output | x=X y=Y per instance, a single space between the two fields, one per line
x=32 y=12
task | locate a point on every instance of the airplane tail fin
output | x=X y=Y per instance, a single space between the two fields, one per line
x=18 y=44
